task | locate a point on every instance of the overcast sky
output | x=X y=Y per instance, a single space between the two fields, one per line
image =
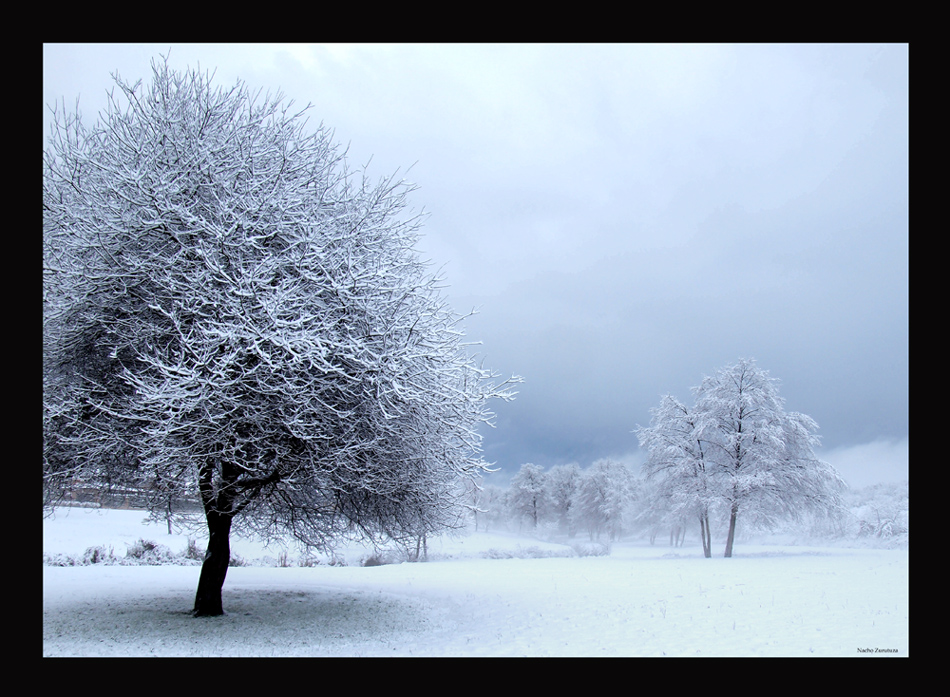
x=628 y=218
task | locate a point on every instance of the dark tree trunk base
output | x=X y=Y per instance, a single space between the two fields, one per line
x=704 y=533
x=732 y=531
x=215 y=567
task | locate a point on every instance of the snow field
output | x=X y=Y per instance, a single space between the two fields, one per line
x=768 y=600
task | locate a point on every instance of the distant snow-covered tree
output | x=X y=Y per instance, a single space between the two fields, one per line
x=487 y=503
x=563 y=482
x=762 y=457
x=653 y=511
x=495 y=502
x=738 y=452
x=677 y=464
x=881 y=511
x=528 y=493
x=232 y=314
x=602 y=498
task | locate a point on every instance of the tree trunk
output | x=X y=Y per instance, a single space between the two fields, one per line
x=704 y=533
x=732 y=529
x=215 y=566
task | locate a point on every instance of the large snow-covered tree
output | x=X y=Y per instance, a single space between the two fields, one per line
x=231 y=313
x=761 y=457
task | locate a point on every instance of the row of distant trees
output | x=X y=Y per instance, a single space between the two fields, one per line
x=596 y=501
x=610 y=500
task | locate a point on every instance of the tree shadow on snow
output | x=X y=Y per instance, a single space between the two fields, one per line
x=257 y=622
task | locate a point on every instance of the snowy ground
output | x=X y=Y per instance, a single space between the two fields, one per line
x=642 y=600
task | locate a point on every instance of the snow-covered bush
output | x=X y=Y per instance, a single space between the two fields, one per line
x=98 y=555
x=150 y=553
x=591 y=549
x=140 y=553
x=381 y=557
x=192 y=551
x=520 y=552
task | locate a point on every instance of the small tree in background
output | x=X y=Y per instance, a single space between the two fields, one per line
x=677 y=464
x=764 y=458
x=563 y=482
x=230 y=313
x=529 y=496
x=603 y=497
x=739 y=450
x=494 y=501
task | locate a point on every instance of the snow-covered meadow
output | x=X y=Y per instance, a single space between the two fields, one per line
x=479 y=595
